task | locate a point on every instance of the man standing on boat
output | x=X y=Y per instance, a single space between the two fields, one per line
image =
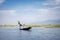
x=19 y=25
x=23 y=28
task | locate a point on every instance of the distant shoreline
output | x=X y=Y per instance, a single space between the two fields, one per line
x=36 y=25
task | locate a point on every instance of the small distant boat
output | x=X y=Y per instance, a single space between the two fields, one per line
x=20 y=25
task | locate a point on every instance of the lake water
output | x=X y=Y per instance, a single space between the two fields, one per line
x=33 y=34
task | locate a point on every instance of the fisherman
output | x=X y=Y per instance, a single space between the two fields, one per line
x=19 y=25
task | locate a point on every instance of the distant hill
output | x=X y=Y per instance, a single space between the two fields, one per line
x=56 y=21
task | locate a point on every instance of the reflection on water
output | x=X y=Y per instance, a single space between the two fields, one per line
x=34 y=34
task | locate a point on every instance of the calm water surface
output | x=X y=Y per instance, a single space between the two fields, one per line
x=33 y=34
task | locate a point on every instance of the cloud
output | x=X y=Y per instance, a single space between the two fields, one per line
x=50 y=12
x=43 y=10
x=2 y=1
x=57 y=2
x=32 y=14
x=52 y=3
x=10 y=12
x=8 y=17
x=31 y=18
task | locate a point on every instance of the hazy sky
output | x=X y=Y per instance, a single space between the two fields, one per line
x=28 y=11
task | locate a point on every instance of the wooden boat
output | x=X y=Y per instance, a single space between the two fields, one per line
x=28 y=28
x=20 y=25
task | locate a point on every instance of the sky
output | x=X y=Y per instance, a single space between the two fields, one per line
x=28 y=11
